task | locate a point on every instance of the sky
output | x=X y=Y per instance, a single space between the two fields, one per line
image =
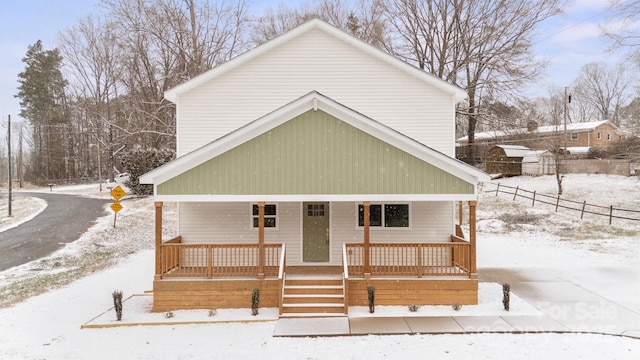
x=568 y=42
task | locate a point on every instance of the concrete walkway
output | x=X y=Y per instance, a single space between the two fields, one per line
x=563 y=306
x=416 y=325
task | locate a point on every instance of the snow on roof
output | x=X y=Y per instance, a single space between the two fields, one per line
x=534 y=156
x=514 y=150
x=578 y=149
x=572 y=127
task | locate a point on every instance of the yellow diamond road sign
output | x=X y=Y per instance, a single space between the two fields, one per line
x=116 y=207
x=118 y=193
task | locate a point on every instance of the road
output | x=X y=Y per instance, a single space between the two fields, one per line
x=64 y=220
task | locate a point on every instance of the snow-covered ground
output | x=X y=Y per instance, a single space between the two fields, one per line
x=75 y=285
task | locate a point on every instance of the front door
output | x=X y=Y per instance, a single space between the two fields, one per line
x=315 y=232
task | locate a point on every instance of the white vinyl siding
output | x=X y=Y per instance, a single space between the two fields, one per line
x=427 y=225
x=315 y=61
x=230 y=223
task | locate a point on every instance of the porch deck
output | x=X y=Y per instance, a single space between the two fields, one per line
x=219 y=272
x=194 y=276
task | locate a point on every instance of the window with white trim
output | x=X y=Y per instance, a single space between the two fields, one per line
x=574 y=136
x=599 y=136
x=385 y=215
x=270 y=215
x=608 y=136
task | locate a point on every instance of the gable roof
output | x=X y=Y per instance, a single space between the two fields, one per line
x=312 y=101
x=540 y=130
x=514 y=150
x=174 y=93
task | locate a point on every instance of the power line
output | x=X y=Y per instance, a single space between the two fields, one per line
x=572 y=26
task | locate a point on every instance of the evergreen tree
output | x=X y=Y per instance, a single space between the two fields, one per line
x=43 y=104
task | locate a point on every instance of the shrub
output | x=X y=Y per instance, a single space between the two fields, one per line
x=139 y=161
x=506 y=288
x=371 y=294
x=117 y=303
x=596 y=153
x=255 y=301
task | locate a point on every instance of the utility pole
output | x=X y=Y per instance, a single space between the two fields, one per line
x=19 y=169
x=564 y=112
x=567 y=101
x=99 y=165
x=9 y=153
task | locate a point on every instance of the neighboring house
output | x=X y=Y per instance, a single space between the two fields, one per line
x=538 y=162
x=505 y=159
x=578 y=138
x=315 y=154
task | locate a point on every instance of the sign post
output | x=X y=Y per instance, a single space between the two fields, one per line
x=117 y=193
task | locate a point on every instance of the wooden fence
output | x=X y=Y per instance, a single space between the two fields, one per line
x=557 y=202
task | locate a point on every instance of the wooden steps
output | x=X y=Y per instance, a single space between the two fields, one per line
x=313 y=296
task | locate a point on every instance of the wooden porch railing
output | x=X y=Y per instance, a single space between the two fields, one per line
x=461 y=254
x=217 y=260
x=414 y=259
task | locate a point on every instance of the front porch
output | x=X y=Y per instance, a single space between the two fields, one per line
x=208 y=276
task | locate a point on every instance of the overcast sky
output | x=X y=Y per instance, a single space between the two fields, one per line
x=568 y=42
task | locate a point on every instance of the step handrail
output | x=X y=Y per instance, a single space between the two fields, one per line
x=281 y=277
x=345 y=278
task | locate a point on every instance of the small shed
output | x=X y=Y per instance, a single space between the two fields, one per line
x=506 y=159
x=539 y=162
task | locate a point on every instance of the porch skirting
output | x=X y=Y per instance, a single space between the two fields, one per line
x=186 y=294
x=405 y=292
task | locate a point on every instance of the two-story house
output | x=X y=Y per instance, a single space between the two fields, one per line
x=314 y=168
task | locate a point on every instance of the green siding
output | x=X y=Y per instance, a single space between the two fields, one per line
x=314 y=153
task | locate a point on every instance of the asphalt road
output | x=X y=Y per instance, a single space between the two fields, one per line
x=64 y=220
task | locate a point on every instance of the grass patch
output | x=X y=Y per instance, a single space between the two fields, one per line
x=54 y=274
x=521 y=217
x=594 y=231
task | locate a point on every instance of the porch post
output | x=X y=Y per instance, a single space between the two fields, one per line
x=367 y=262
x=473 y=273
x=459 y=214
x=158 y=230
x=261 y=240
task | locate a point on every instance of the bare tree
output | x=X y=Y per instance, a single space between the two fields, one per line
x=555 y=105
x=622 y=31
x=630 y=116
x=602 y=88
x=364 y=19
x=92 y=56
x=483 y=46
x=275 y=22
x=164 y=43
